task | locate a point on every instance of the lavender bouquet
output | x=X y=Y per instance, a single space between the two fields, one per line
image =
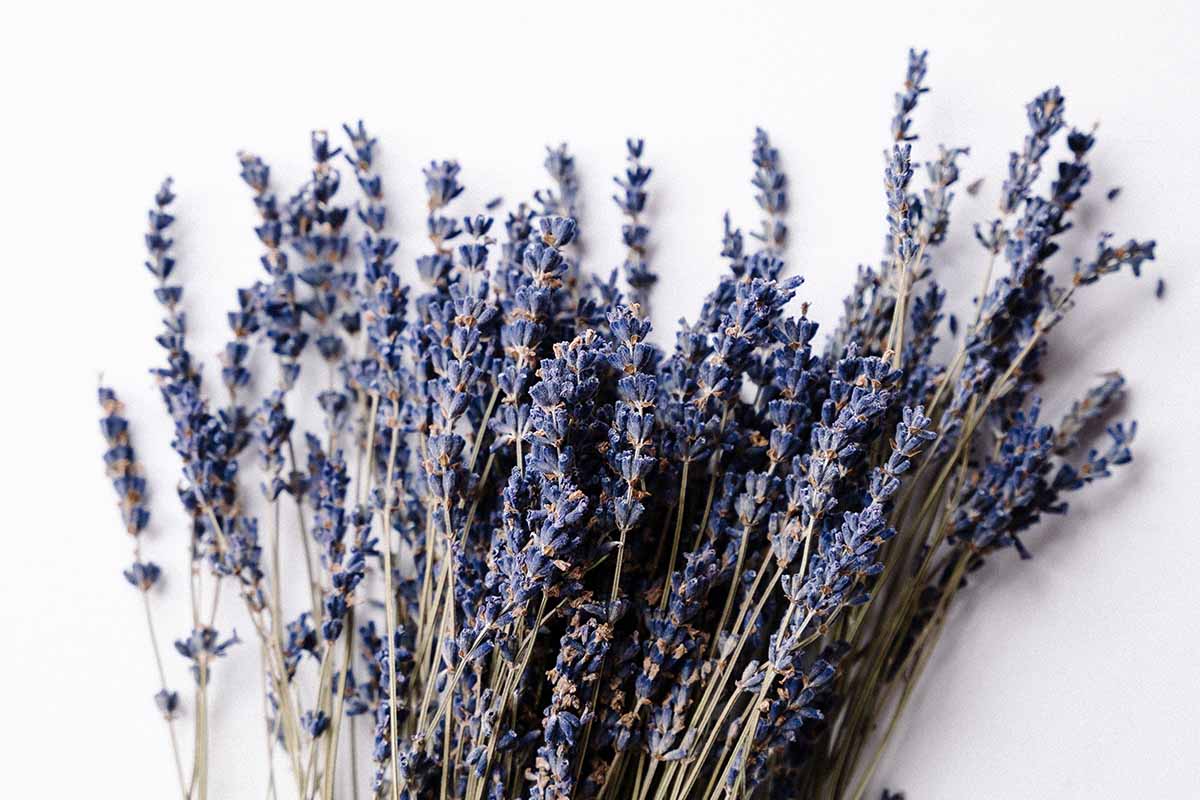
x=490 y=449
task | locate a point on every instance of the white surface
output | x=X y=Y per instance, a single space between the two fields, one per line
x=1074 y=675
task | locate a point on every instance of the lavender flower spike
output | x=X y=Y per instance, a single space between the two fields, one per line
x=632 y=202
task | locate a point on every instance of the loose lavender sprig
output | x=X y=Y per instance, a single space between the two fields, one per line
x=121 y=464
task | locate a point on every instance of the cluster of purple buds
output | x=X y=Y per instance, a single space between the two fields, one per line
x=906 y=99
x=1015 y=487
x=344 y=535
x=1045 y=115
x=315 y=231
x=280 y=310
x=770 y=185
x=121 y=463
x=631 y=199
x=581 y=653
x=1098 y=400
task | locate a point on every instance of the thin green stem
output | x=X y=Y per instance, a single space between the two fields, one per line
x=271 y=727
x=482 y=430
x=648 y=781
x=921 y=652
x=733 y=585
x=314 y=589
x=276 y=570
x=683 y=483
x=390 y=611
x=162 y=680
x=331 y=754
x=202 y=727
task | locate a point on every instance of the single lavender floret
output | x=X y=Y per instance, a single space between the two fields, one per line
x=202 y=646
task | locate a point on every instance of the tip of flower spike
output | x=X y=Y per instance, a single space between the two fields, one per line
x=557 y=232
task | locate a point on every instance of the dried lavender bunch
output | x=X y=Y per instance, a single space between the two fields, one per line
x=545 y=558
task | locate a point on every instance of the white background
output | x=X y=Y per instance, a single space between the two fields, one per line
x=1073 y=675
